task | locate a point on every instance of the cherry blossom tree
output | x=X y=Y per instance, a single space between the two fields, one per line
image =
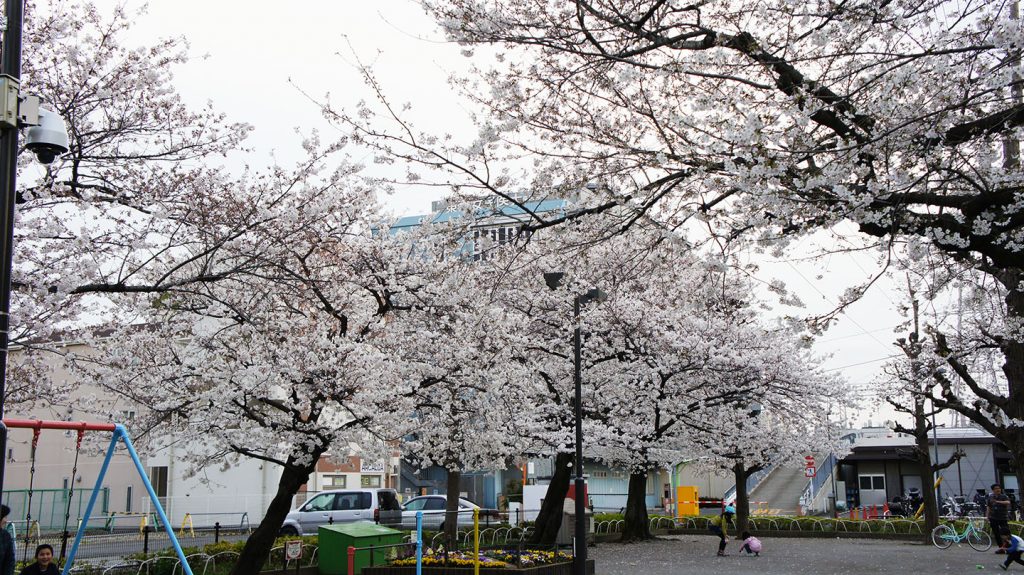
x=684 y=356
x=109 y=217
x=753 y=120
x=471 y=409
x=908 y=382
x=290 y=354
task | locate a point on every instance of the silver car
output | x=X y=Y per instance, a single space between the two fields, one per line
x=341 y=506
x=433 y=508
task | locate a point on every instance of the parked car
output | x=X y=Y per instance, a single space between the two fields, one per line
x=433 y=508
x=343 y=506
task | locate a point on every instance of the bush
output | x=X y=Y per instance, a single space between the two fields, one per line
x=169 y=566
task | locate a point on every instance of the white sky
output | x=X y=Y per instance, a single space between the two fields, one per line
x=260 y=54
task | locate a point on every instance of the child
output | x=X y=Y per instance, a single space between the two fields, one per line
x=44 y=562
x=1013 y=552
x=751 y=544
x=720 y=526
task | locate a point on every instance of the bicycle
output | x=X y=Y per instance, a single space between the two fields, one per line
x=943 y=536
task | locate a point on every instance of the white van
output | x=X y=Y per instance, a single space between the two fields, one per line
x=343 y=506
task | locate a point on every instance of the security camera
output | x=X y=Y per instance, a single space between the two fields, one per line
x=49 y=139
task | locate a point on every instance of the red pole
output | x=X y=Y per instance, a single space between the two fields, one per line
x=72 y=425
x=351 y=560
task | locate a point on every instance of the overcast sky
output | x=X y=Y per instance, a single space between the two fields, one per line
x=254 y=62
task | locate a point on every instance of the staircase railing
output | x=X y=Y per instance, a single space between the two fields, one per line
x=753 y=480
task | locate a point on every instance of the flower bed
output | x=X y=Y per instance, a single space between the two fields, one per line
x=494 y=561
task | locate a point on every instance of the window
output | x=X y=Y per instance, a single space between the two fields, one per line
x=415 y=504
x=348 y=502
x=336 y=481
x=434 y=504
x=370 y=481
x=158 y=477
x=387 y=500
x=322 y=502
x=872 y=482
x=128 y=501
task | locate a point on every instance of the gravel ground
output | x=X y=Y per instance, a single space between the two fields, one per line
x=695 y=554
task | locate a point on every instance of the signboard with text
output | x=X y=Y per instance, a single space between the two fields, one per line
x=293 y=550
x=371 y=467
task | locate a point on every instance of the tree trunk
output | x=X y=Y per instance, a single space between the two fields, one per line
x=549 y=520
x=1018 y=469
x=637 y=526
x=451 y=516
x=1013 y=368
x=740 y=472
x=261 y=541
x=924 y=457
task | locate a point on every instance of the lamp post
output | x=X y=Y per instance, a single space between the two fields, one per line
x=554 y=280
x=741 y=499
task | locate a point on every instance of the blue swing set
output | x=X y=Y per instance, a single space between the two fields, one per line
x=119 y=434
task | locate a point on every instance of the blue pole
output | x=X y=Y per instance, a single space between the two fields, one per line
x=152 y=496
x=419 y=543
x=92 y=502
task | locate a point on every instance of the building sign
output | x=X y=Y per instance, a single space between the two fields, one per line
x=371 y=467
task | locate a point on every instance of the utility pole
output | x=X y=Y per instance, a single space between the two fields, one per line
x=10 y=65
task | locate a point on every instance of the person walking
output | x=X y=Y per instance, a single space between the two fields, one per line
x=1014 y=550
x=720 y=527
x=998 y=516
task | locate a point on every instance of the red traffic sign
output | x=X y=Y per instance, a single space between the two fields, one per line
x=810 y=471
x=809 y=460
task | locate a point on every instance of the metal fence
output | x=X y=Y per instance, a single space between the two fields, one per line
x=49 y=507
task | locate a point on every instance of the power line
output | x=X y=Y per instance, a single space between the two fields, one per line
x=876 y=360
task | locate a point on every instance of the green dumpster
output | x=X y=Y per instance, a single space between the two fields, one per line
x=334 y=541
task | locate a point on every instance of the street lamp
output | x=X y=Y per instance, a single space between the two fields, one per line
x=554 y=280
x=48 y=139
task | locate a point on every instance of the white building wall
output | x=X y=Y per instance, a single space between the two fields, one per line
x=229 y=495
x=55 y=458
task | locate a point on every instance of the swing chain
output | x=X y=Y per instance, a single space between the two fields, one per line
x=31 y=489
x=71 y=496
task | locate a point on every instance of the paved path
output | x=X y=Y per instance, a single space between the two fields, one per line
x=782 y=490
x=695 y=554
